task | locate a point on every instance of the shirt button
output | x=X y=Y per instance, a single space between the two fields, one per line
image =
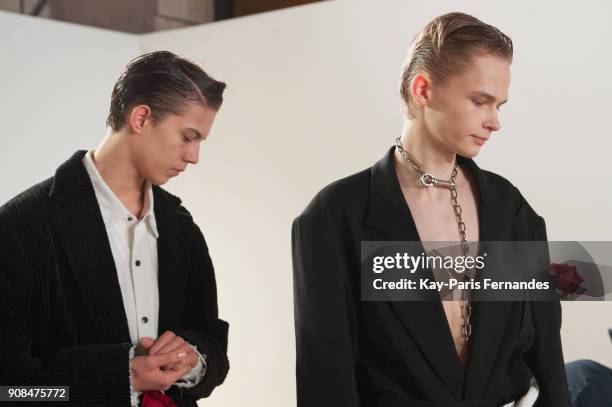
x=144 y=320
x=137 y=263
x=130 y=219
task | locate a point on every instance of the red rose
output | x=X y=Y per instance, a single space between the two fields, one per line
x=156 y=399
x=565 y=277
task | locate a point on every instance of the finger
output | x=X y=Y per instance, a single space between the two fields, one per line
x=146 y=342
x=161 y=341
x=167 y=378
x=156 y=361
x=174 y=345
x=175 y=366
x=190 y=360
x=194 y=359
x=186 y=350
x=177 y=374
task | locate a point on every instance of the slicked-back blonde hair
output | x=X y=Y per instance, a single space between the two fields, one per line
x=446 y=46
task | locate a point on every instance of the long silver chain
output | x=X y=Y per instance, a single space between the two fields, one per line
x=428 y=180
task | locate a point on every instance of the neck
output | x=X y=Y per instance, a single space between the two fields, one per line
x=114 y=162
x=429 y=154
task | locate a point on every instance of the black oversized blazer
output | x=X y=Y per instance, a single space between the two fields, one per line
x=401 y=354
x=62 y=320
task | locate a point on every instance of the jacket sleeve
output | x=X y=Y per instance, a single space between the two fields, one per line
x=96 y=374
x=325 y=320
x=200 y=324
x=546 y=354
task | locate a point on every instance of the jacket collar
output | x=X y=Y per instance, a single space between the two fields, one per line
x=71 y=184
x=389 y=213
x=77 y=221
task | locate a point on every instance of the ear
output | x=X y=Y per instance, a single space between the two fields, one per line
x=420 y=89
x=138 y=118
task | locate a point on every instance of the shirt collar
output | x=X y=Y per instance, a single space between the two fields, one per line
x=112 y=209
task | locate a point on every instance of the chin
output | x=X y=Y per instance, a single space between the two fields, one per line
x=157 y=180
x=469 y=152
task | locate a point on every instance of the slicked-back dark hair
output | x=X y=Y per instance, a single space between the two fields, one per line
x=165 y=82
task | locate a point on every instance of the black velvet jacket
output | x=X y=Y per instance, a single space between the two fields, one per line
x=389 y=354
x=62 y=320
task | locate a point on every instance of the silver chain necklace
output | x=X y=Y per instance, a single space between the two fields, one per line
x=428 y=180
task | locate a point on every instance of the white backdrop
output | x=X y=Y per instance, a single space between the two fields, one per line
x=312 y=96
x=55 y=85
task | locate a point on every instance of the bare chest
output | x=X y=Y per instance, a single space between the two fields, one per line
x=435 y=218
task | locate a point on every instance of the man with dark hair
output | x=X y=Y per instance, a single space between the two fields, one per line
x=106 y=283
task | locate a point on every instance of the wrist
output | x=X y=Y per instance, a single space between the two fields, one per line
x=134 y=393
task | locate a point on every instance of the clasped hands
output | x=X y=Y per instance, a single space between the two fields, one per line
x=167 y=359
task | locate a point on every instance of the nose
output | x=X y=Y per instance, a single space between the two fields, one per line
x=493 y=124
x=192 y=154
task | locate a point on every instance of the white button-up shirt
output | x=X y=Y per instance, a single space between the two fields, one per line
x=133 y=243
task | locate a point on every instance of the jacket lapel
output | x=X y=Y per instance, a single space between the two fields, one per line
x=77 y=220
x=171 y=268
x=75 y=216
x=488 y=318
x=389 y=213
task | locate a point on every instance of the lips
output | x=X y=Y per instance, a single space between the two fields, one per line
x=480 y=140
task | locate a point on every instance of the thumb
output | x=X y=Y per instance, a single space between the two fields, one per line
x=146 y=342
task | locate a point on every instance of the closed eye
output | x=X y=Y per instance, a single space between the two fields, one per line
x=477 y=102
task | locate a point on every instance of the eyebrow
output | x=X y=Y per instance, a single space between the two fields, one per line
x=489 y=97
x=198 y=135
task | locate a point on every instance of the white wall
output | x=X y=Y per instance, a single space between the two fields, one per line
x=312 y=96
x=55 y=86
